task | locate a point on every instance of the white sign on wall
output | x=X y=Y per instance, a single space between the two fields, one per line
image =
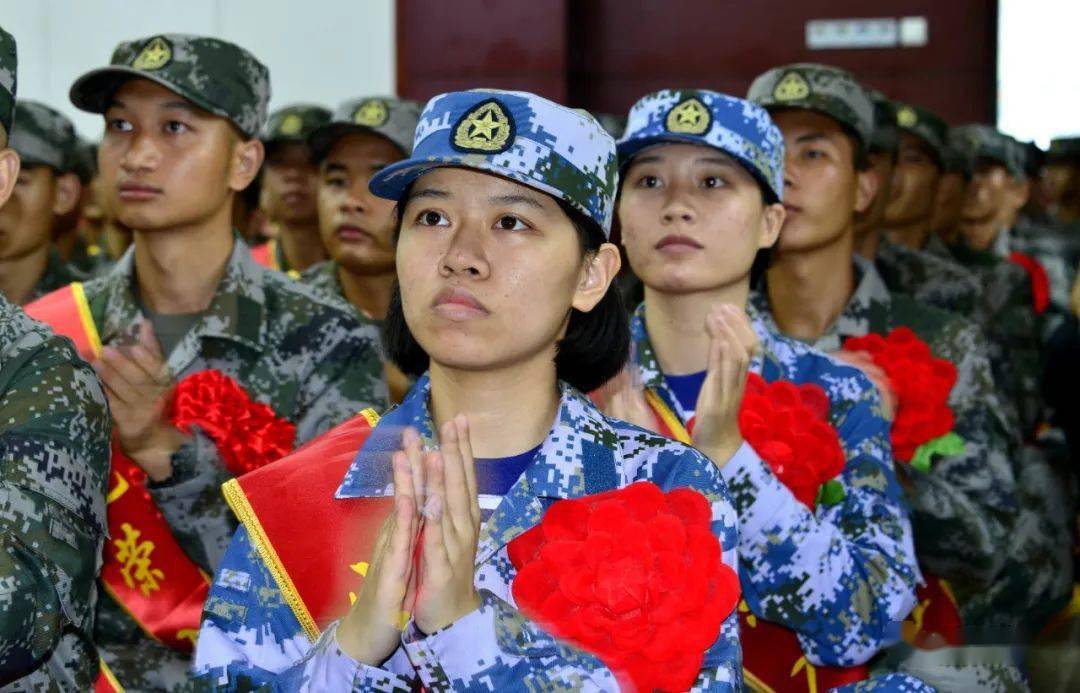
x=880 y=32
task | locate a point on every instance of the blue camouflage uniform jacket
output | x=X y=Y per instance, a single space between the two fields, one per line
x=842 y=576
x=251 y=639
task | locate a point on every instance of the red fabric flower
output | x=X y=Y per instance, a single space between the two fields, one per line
x=248 y=434
x=1040 y=283
x=632 y=576
x=788 y=426
x=922 y=384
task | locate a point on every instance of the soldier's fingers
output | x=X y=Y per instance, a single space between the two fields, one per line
x=113 y=378
x=410 y=441
x=152 y=366
x=469 y=464
x=403 y=482
x=742 y=326
x=434 y=550
x=457 y=492
x=399 y=545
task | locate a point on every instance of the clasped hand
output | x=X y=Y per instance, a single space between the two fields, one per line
x=423 y=560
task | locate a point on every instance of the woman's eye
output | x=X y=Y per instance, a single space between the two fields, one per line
x=712 y=182
x=649 y=182
x=119 y=125
x=175 y=127
x=432 y=218
x=814 y=154
x=509 y=222
x=337 y=182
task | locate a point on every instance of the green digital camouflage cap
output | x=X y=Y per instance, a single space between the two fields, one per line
x=215 y=75
x=978 y=141
x=821 y=88
x=9 y=63
x=926 y=125
x=295 y=123
x=1064 y=149
x=43 y=136
x=886 y=136
x=394 y=119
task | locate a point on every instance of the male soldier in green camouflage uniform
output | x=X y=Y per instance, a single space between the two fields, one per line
x=357 y=228
x=964 y=508
x=906 y=191
x=287 y=188
x=30 y=266
x=188 y=297
x=54 y=448
x=81 y=254
x=1063 y=182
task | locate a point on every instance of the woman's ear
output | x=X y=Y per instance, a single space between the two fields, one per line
x=772 y=220
x=247 y=159
x=596 y=276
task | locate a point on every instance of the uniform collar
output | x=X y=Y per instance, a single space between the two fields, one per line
x=870 y=301
x=580 y=456
x=765 y=363
x=236 y=312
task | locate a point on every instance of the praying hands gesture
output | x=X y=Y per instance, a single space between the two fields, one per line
x=137 y=385
x=732 y=343
x=424 y=556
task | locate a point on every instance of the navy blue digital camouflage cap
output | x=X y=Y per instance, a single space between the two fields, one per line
x=739 y=128
x=554 y=149
x=9 y=63
x=215 y=75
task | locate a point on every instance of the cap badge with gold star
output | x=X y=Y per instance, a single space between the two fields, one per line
x=155 y=55
x=689 y=117
x=906 y=117
x=486 y=129
x=792 y=87
x=291 y=125
x=372 y=113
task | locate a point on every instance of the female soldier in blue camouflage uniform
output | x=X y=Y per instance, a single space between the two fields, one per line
x=506 y=300
x=700 y=199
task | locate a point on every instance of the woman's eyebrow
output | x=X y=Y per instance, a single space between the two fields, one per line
x=436 y=193
x=515 y=199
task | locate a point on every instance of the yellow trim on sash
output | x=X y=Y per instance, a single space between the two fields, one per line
x=670 y=419
x=110 y=678
x=754 y=683
x=86 y=317
x=234 y=496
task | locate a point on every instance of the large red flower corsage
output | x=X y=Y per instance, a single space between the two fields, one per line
x=924 y=422
x=632 y=576
x=1040 y=283
x=788 y=427
x=248 y=434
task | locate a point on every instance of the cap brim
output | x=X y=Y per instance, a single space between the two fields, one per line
x=92 y=92
x=322 y=140
x=390 y=183
x=627 y=150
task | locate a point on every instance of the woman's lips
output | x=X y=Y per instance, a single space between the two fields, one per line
x=678 y=243
x=458 y=305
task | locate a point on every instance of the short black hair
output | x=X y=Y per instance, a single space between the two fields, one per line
x=596 y=345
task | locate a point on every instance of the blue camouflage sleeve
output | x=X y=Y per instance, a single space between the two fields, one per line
x=842 y=577
x=251 y=640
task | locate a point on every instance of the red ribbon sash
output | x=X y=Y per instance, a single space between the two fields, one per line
x=318 y=571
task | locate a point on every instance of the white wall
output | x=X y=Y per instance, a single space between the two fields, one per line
x=1038 y=70
x=323 y=51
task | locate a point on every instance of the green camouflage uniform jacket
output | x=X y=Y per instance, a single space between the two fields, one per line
x=987 y=520
x=54 y=461
x=1013 y=328
x=57 y=275
x=312 y=361
x=927 y=278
